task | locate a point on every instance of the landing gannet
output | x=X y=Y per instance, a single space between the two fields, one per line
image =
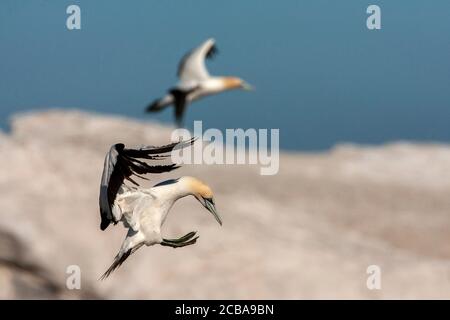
x=143 y=211
x=195 y=82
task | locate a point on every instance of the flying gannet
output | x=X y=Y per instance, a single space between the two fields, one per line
x=143 y=211
x=195 y=82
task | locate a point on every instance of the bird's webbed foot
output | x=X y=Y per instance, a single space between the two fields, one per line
x=185 y=240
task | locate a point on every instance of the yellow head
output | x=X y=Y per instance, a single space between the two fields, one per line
x=203 y=193
x=197 y=187
x=235 y=83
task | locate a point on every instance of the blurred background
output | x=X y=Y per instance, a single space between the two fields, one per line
x=320 y=74
x=363 y=116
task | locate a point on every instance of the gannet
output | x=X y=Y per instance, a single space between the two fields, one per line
x=195 y=82
x=143 y=211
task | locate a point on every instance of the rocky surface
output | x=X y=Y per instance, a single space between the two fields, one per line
x=309 y=232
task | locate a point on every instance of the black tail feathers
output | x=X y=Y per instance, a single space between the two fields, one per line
x=118 y=260
x=155 y=106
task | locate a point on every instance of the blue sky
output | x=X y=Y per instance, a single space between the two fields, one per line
x=321 y=76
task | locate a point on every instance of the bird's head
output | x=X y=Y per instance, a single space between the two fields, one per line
x=203 y=194
x=236 y=83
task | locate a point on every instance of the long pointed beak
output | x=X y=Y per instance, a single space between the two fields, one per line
x=209 y=204
x=247 y=87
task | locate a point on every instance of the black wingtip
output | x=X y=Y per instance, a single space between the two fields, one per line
x=119 y=146
x=212 y=52
x=104 y=225
x=184 y=143
x=153 y=107
x=150 y=108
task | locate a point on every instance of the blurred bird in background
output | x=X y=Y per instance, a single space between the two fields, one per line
x=195 y=82
x=143 y=211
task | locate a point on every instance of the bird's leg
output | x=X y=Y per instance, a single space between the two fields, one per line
x=179 y=245
x=182 y=239
x=181 y=242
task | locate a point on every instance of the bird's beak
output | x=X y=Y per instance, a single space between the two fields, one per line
x=247 y=87
x=209 y=204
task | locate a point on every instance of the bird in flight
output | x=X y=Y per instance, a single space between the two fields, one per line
x=143 y=211
x=195 y=82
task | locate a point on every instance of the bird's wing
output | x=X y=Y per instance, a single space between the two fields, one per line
x=130 y=204
x=122 y=164
x=192 y=68
x=180 y=101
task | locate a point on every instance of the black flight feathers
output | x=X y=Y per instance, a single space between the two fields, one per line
x=122 y=163
x=211 y=53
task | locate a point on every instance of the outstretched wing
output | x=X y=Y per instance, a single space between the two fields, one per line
x=122 y=164
x=192 y=68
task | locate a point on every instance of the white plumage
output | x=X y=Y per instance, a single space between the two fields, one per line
x=196 y=82
x=143 y=211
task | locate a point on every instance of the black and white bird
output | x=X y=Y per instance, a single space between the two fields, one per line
x=195 y=82
x=143 y=211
